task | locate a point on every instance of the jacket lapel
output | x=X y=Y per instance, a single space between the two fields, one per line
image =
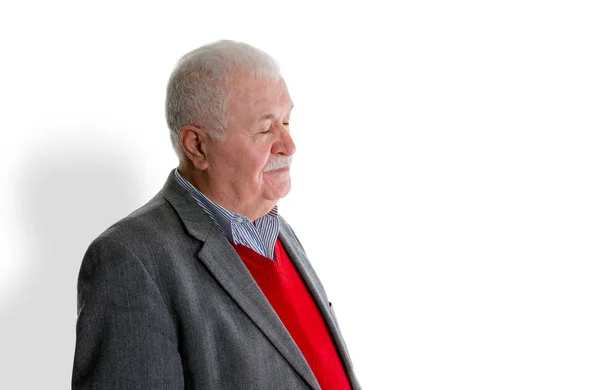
x=221 y=259
x=308 y=275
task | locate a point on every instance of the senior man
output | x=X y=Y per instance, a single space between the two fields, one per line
x=206 y=286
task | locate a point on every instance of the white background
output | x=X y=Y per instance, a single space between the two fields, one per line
x=445 y=185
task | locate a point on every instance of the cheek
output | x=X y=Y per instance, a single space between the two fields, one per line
x=248 y=161
x=248 y=167
x=259 y=160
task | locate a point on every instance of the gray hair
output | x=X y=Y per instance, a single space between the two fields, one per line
x=198 y=88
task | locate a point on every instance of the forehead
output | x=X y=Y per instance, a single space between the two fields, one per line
x=251 y=97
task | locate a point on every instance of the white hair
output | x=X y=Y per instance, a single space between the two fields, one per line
x=198 y=88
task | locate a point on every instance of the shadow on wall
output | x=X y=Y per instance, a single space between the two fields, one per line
x=69 y=191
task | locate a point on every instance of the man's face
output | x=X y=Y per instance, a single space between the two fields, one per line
x=257 y=139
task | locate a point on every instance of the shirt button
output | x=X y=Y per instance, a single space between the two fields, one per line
x=239 y=220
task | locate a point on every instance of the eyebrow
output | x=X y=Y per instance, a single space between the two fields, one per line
x=271 y=116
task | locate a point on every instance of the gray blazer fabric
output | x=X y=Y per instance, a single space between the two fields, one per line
x=165 y=302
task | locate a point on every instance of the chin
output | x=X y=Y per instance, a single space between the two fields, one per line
x=284 y=194
x=280 y=191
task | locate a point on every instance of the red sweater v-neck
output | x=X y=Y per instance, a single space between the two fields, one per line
x=291 y=300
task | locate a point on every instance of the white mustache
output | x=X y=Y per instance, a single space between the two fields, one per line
x=278 y=162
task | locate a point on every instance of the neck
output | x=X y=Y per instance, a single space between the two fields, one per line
x=222 y=196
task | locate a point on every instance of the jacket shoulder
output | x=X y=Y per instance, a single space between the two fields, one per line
x=146 y=224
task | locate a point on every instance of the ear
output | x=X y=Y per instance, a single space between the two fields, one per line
x=193 y=141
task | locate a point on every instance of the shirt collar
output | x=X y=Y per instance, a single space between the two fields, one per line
x=225 y=219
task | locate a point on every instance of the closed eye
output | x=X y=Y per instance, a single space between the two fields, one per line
x=286 y=124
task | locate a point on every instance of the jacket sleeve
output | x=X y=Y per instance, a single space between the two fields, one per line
x=126 y=338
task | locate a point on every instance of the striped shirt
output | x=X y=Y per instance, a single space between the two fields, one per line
x=259 y=236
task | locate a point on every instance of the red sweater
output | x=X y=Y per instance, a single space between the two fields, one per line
x=294 y=305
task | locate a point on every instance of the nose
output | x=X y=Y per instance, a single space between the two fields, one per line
x=285 y=144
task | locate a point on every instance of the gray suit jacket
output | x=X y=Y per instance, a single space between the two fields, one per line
x=165 y=302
